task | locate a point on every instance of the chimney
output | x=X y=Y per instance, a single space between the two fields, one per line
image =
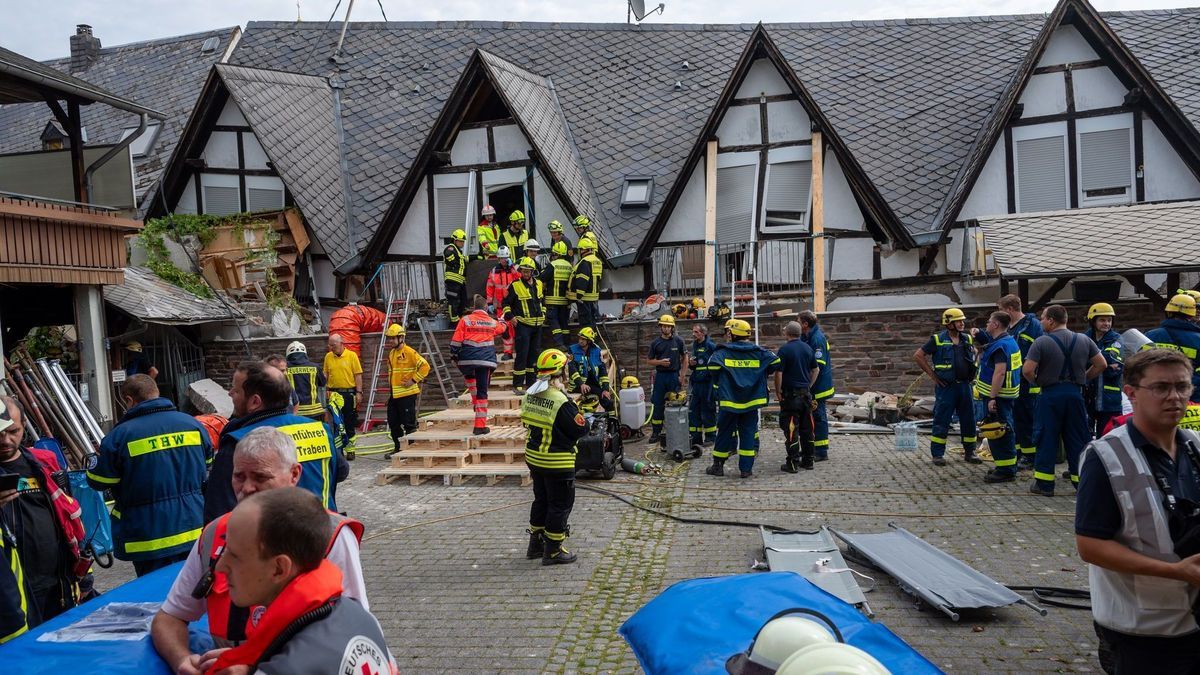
x=85 y=48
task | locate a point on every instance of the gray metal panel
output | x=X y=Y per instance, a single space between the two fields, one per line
x=1041 y=167
x=149 y=298
x=799 y=551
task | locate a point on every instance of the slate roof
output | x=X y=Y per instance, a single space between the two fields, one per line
x=908 y=97
x=294 y=119
x=165 y=75
x=1063 y=243
x=149 y=298
x=24 y=68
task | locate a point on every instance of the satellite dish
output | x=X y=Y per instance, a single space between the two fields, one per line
x=638 y=9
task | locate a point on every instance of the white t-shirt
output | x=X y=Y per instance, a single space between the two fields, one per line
x=344 y=553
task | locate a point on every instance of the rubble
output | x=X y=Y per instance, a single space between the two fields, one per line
x=210 y=397
x=879 y=408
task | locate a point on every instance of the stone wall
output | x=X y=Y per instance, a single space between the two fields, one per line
x=872 y=351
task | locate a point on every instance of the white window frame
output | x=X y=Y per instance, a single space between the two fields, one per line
x=799 y=153
x=1036 y=131
x=1107 y=123
x=442 y=181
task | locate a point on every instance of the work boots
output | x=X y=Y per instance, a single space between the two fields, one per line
x=536 y=544
x=555 y=553
x=970 y=458
x=790 y=466
x=717 y=468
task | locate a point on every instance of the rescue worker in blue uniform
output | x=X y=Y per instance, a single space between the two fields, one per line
x=1103 y=394
x=996 y=390
x=666 y=354
x=739 y=369
x=588 y=374
x=154 y=462
x=307 y=380
x=1024 y=327
x=948 y=358
x=822 y=387
x=793 y=388
x=1180 y=332
x=260 y=396
x=702 y=407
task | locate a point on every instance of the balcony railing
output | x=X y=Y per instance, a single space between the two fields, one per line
x=779 y=265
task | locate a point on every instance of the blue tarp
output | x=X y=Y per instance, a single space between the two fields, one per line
x=696 y=625
x=26 y=655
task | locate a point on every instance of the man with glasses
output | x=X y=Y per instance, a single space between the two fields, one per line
x=1060 y=362
x=1137 y=487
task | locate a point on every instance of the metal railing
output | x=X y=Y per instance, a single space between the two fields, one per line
x=410 y=279
x=779 y=265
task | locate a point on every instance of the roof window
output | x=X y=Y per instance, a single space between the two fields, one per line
x=637 y=191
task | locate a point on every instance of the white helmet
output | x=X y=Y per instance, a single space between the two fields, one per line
x=832 y=659
x=782 y=636
x=296 y=347
x=488 y=210
x=502 y=253
x=532 y=243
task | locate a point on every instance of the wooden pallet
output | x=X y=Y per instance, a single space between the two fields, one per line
x=458 y=419
x=509 y=455
x=500 y=400
x=491 y=473
x=501 y=437
x=437 y=440
x=432 y=458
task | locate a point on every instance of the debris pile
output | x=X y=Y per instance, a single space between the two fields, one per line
x=53 y=407
x=879 y=408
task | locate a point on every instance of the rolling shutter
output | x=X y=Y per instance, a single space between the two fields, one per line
x=221 y=201
x=1041 y=174
x=260 y=199
x=788 y=185
x=1105 y=161
x=735 y=203
x=451 y=211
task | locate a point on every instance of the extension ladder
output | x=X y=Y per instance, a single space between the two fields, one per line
x=376 y=411
x=437 y=363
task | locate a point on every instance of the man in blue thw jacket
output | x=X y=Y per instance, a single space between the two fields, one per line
x=739 y=369
x=154 y=462
x=1180 y=333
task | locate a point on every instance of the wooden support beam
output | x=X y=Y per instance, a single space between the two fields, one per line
x=818 y=220
x=1023 y=292
x=1003 y=286
x=928 y=257
x=1047 y=297
x=75 y=131
x=1172 y=283
x=710 y=224
x=1138 y=281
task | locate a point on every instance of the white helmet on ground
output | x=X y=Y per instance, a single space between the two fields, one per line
x=831 y=659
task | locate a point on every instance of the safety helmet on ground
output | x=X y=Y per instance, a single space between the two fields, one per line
x=395 y=330
x=134 y=346
x=296 y=347
x=554 y=226
x=550 y=362
x=586 y=244
x=1100 y=309
x=531 y=243
x=781 y=636
x=680 y=310
x=697 y=303
x=458 y=235
x=1183 y=304
x=953 y=314
x=503 y=253
x=831 y=658
x=559 y=248
x=993 y=427
x=487 y=210
x=629 y=382
x=666 y=320
x=527 y=263
x=582 y=222
x=516 y=216
x=588 y=333
x=739 y=327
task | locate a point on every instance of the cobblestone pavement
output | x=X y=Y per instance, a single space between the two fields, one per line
x=449 y=582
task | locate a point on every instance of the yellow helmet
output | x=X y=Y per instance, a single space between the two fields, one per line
x=527 y=263
x=679 y=309
x=588 y=333
x=551 y=362
x=1194 y=294
x=458 y=235
x=738 y=327
x=1183 y=304
x=134 y=346
x=335 y=401
x=992 y=428
x=559 y=248
x=394 y=330
x=697 y=303
x=587 y=244
x=629 y=382
x=1100 y=309
x=555 y=226
x=953 y=314
x=582 y=222
x=516 y=216
x=666 y=320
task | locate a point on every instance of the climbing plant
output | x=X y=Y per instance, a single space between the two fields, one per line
x=176 y=226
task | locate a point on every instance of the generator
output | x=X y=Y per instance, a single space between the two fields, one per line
x=677 y=437
x=599 y=453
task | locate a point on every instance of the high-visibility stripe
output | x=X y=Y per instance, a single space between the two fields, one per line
x=720 y=454
x=1026 y=450
x=734 y=405
x=19 y=575
x=1109 y=387
x=145 y=446
x=821 y=443
x=1035 y=390
x=823 y=394
x=163 y=542
x=968 y=439
x=1006 y=462
x=102 y=479
x=747 y=453
x=1038 y=475
x=935 y=439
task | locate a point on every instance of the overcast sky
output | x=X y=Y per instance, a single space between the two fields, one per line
x=40 y=29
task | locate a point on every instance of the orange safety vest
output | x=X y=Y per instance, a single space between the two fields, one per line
x=227 y=623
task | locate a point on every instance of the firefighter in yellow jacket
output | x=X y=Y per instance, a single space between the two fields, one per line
x=406 y=371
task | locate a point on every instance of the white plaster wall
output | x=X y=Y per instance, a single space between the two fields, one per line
x=231 y=115
x=1067 y=46
x=626 y=279
x=548 y=209
x=841 y=210
x=187 y=199
x=323 y=279
x=852 y=258
x=1167 y=177
x=253 y=153
x=1044 y=95
x=413 y=236
x=762 y=79
x=740 y=126
x=915 y=301
x=221 y=150
x=989 y=195
x=686 y=222
x=1097 y=88
x=510 y=143
x=899 y=264
x=787 y=121
x=470 y=147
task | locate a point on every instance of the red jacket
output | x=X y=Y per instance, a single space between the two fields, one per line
x=498 y=282
x=66 y=509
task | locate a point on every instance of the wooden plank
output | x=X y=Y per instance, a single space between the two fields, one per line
x=710 y=223
x=818 y=221
x=295 y=226
x=79 y=216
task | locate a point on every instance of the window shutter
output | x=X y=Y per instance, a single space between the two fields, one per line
x=1041 y=174
x=451 y=211
x=221 y=201
x=735 y=203
x=1104 y=160
x=263 y=199
x=787 y=186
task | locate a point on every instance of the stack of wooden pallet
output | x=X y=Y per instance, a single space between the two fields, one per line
x=445 y=446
